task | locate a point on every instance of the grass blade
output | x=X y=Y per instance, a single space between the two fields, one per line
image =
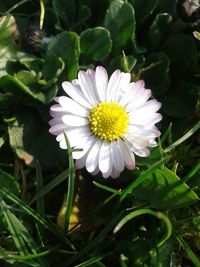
x=93 y=243
x=49 y=226
x=39 y=186
x=158 y=215
x=51 y=185
x=188 y=250
x=70 y=189
x=183 y=138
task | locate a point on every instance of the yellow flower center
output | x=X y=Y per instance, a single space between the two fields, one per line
x=108 y=121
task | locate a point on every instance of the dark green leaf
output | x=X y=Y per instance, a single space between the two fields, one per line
x=66 y=46
x=164 y=190
x=95 y=43
x=143 y=10
x=29 y=138
x=120 y=21
x=65 y=9
x=182 y=53
x=9 y=182
x=159 y=30
x=156 y=74
x=186 y=100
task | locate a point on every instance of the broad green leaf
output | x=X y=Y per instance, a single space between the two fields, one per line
x=159 y=29
x=66 y=46
x=13 y=85
x=156 y=74
x=28 y=78
x=143 y=10
x=9 y=182
x=65 y=10
x=164 y=190
x=182 y=53
x=120 y=21
x=95 y=43
x=29 y=138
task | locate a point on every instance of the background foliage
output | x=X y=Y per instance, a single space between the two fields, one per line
x=43 y=43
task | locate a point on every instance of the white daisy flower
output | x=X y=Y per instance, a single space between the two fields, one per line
x=110 y=119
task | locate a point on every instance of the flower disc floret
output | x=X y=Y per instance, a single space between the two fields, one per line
x=108 y=121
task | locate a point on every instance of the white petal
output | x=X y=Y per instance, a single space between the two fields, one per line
x=140 y=118
x=117 y=158
x=76 y=94
x=73 y=107
x=93 y=156
x=101 y=79
x=87 y=143
x=80 y=163
x=105 y=157
x=123 y=85
x=72 y=120
x=127 y=155
x=87 y=87
x=113 y=85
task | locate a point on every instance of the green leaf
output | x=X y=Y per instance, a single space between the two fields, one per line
x=65 y=10
x=20 y=235
x=182 y=53
x=180 y=90
x=159 y=29
x=164 y=190
x=124 y=63
x=29 y=138
x=143 y=10
x=95 y=43
x=120 y=21
x=156 y=74
x=28 y=78
x=66 y=46
x=9 y=182
x=7 y=26
x=13 y=85
x=83 y=14
x=188 y=250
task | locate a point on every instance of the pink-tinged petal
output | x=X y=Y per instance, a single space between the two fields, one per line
x=101 y=79
x=115 y=173
x=55 y=121
x=104 y=157
x=128 y=155
x=72 y=120
x=93 y=156
x=144 y=152
x=70 y=106
x=74 y=91
x=57 y=129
